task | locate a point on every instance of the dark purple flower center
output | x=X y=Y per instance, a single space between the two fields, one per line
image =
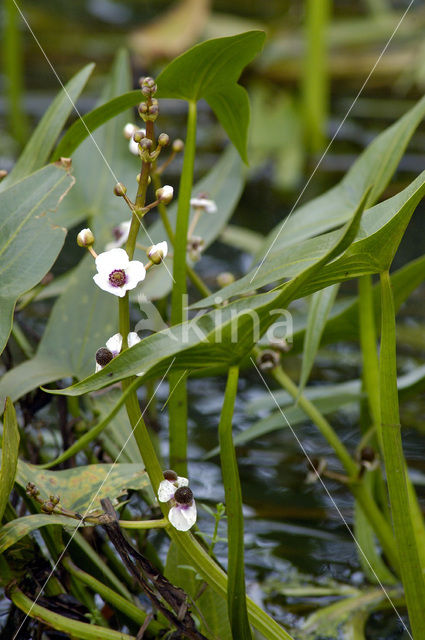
x=103 y=356
x=183 y=496
x=117 y=233
x=118 y=278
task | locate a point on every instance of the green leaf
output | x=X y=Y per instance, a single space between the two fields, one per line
x=101 y=162
x=82 y=488
x=210 y=70
x=327 y=402
x=211 y=340
x=224 y=184
x=17 y=529
x=343 y=322
x=29 y=238
x=236 y=594
x=9 y=457
x=320 y=305
x=373 y=168
x=199 y=75
x=79 y=130
x=372 y=252
x=41 y=143
x=81 y=321
x=214 y=609
x=395 y=466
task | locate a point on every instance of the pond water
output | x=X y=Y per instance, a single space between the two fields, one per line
x=293 y=533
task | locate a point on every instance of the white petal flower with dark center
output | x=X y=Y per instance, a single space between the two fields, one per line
x=203 y=203
x=183 y=514
x=104 y=355
x=120 y=233
x=116 y=273
x=174 y=488
x=170 y=484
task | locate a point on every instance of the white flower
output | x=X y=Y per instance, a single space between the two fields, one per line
x=120 y=234
x=113 y=348
x=182 y=514
x=167 y=488
x=203 y=203
x=165 y=193
x=133 y=147
x=116 y=273
x=129 y=130
x=157 y=252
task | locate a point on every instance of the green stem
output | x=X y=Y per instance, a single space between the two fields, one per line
x=22 y=341
x=178 y=399
x=369 y=351
x=144 y=524
x=315 y=83
x=74 y=628
x=122 y=604
x=236 y=595
x=411 y=573
x=88 y=437
x=193 y=276
x=359 y=490
x=13 y=69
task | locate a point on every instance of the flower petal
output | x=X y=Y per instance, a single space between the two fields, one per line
x=135 y=272
x=133 y=147
x=107 y=261
x=133 y=339
x=183 y=518
x=102 y=281
x=166 y=491
x=123 y=230
x=114 y=344
x=182 y=482
x=161 y=247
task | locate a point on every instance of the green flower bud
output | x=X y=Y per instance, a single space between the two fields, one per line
x=225 y=278
x=120 y=190
x=178 y=146
x=163 y=140
x=85 y=238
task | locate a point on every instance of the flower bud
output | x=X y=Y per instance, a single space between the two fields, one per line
x=146 y=143
x=139 y=135
x=178 y=145
x=31 y=490
x=3 y=174
x=268 y=360
x=148 y=86
x=163 y=140
x=165 y=194
x=157 y=252
x=120 y=190
x=225 y=278
x=143 y=109
x=85 y=238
